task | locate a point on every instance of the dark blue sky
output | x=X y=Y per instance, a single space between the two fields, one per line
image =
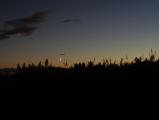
x=82 y=29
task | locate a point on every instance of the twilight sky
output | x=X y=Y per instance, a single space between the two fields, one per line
x=33 y=30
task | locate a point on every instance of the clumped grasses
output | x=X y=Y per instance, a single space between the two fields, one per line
x=140 y=70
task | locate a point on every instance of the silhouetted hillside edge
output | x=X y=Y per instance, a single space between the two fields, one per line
x=140 y=70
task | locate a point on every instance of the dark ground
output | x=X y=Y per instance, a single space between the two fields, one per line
x=141 y=73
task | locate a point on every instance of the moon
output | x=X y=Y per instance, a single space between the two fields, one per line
x=60 y=59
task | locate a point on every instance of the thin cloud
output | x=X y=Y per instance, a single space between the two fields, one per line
x=23 y=26
x=70 y=21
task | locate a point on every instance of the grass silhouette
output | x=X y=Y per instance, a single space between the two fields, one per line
x=139 y=70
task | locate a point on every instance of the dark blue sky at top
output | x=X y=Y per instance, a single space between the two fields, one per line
x=105 y=28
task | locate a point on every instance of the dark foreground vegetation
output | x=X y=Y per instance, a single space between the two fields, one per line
x=139 y=71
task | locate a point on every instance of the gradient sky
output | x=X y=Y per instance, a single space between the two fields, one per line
x=82 y=30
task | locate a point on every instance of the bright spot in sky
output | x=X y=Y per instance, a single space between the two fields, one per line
x=60 y=59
